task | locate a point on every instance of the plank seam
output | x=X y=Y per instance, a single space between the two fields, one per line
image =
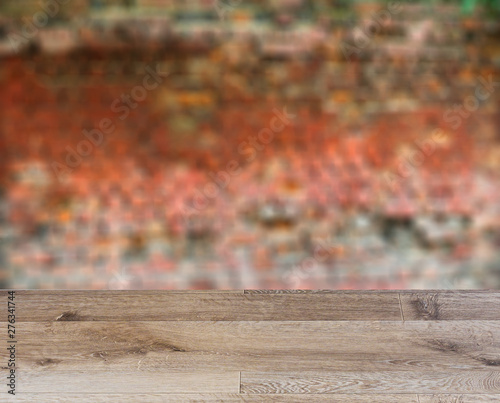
x=401 y=307
x=239 y=387
x=418 y=398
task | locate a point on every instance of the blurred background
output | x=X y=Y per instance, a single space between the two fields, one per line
x=228 y=144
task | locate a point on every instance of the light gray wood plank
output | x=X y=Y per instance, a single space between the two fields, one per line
x=458 y=398
x=127 y=382
x=478 y=382
x=199 y=398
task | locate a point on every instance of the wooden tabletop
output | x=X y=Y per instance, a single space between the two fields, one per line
x=252 y=346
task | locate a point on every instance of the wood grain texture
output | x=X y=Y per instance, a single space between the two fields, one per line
x=240 y=398
x=211 y=398
x=451 y=305
x=372 y=382
x=258 y=346
x=258 y=291
x=132 y=381
x=157 y=305
x=458 y=398
x=343 y=292
x=255 y=346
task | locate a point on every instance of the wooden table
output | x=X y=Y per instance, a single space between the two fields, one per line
x=254 y=346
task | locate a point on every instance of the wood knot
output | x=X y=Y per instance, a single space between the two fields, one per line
x=69 y=316
x=427 y=307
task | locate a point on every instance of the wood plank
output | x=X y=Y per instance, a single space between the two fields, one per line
x=458 y=398
x=37 y=306
x=198 y=398
x=478 y=382
x=127 y=382
x=277 y=292
x=236 y=398
x=286 y=291
x=259 y=346
x=456 y=305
